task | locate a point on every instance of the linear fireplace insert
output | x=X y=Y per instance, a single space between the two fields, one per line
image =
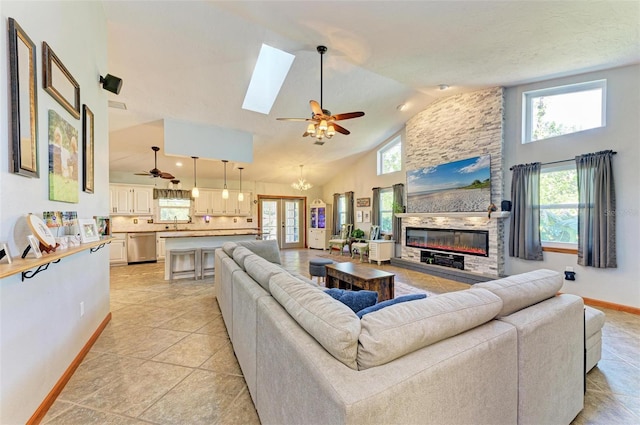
x=472 y=242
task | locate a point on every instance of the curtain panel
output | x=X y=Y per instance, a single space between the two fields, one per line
x=375 y=206
x=398 y=200
x=524 y=235
x=336 y=214
x=349 y=211
x=596 y=210
x=171 y=194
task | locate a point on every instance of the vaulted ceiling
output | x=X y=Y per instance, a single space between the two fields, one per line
x=192 y=61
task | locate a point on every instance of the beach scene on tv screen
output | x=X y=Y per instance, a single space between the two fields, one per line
x=459 y=186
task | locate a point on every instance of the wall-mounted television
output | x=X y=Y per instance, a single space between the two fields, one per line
x=459 y=186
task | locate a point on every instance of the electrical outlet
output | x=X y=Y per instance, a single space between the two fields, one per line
x=81 y=308
x=235 y=220
x=135 y=221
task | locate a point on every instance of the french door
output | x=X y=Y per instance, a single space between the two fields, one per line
x=283 y=219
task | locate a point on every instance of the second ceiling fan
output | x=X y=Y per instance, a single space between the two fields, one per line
x=154 y=172
x=322 y=124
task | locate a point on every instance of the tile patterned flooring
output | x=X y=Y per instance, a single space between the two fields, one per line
x=165 y=357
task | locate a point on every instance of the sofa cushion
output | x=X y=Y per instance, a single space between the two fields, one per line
x=268 y=250
x=522 y=290
x=240 y=254
x=387 y=303
x=229 y=247
x=303 y=278
x=330 y=322
x=403 y=328
x=355 y=300
x=261 y=270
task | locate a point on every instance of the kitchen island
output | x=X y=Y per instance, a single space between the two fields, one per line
x=185 y=239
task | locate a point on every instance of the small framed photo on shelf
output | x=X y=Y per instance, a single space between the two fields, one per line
x=5 y=255
x=34 y=243
x=88 y=230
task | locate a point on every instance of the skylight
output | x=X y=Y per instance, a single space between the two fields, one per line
x=268 y=75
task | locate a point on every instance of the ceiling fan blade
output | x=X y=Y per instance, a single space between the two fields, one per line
x=144 y=173
x=305 y=134
x=295 y=119
x=346 y=116
x=315 y=107
x=340 y=129
x=167 y=176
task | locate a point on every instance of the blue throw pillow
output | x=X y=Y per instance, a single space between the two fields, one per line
x=387 y=303
x=355 y=300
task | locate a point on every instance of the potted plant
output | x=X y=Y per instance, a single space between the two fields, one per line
x=357 y=234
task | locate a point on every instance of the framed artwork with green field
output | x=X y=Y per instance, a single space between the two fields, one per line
x=63 y=160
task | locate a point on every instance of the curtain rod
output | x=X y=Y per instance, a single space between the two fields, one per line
x=562 y=160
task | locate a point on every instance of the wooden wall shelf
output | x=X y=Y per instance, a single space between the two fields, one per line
x=26 y=265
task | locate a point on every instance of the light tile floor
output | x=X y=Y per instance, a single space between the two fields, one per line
x=165 y=357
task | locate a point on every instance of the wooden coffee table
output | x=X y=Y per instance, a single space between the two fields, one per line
x=354 y=276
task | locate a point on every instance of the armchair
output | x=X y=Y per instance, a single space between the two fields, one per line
x=363 y=247
x=342 y=239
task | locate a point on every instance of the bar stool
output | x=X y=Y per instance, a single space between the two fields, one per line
x=203 y=261
x=175 y=255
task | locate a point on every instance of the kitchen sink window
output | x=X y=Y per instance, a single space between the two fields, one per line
x=174 y=209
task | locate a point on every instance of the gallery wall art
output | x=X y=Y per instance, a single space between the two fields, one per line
x=63 y=160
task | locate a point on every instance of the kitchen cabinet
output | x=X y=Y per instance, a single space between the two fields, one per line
x=130 y=200
x=210 y=202
x=118 y=249
x=320 y=225
x=160 y=248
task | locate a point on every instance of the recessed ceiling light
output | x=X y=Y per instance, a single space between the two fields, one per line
x=443 y=86
x=178 y=164
x=402 y=107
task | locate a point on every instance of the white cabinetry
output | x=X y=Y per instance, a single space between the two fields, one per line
x=131 y=200
x=210 y=202
x=381 y=250
x=118 y=249
x=320 y=225
x=160 y=248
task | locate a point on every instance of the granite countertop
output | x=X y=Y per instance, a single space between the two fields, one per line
x=188 y=233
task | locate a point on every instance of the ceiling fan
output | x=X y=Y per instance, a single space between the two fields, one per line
x=322 y=124
x=154 y=172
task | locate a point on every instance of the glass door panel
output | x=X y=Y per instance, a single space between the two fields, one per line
x=270 y=219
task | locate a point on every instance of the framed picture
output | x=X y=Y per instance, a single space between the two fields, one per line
x=367 y=216
x=63 y=160
x=24 y=102
x=5 y=255
x=87 y=149
x=359 y=216
x=363 y=202
x=59 y=82
x=88 y=230
x=34 y=243
x=104 y=227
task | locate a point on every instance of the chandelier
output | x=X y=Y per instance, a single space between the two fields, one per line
x=301 y=184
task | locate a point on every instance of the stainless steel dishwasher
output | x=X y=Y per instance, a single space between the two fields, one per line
x=141 y=247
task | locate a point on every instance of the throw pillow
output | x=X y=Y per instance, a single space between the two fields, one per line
x=387 y=303
x=355 y=300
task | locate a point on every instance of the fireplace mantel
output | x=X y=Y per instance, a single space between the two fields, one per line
x=494 y=214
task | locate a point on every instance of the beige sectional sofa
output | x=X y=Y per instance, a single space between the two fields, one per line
x=503 y=352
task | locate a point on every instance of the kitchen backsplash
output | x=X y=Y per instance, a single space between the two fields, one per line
x=140 y=224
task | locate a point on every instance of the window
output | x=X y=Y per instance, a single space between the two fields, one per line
x=172 y=209
x=563 y=110
x=342 y=211
x=559 y=207
x=390 y=157
x=386 y=210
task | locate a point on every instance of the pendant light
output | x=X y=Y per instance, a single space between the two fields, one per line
x=194 y=192
x=240 y=194
x=225 y=191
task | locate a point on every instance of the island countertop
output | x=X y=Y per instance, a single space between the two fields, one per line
x=203 y=233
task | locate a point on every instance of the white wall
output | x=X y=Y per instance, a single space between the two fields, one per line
x=41 y=329
x=622 y=134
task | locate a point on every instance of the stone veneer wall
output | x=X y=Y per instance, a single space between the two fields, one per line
x=451 y=129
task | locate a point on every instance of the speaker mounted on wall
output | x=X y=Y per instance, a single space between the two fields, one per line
x=505 y=205
x=111 y=83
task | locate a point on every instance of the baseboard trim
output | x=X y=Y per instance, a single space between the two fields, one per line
x=46 y=404
x=612 y=306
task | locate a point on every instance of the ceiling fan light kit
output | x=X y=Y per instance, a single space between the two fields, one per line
x=322 y=124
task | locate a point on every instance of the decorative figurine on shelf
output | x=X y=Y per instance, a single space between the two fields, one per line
x=492 y=208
